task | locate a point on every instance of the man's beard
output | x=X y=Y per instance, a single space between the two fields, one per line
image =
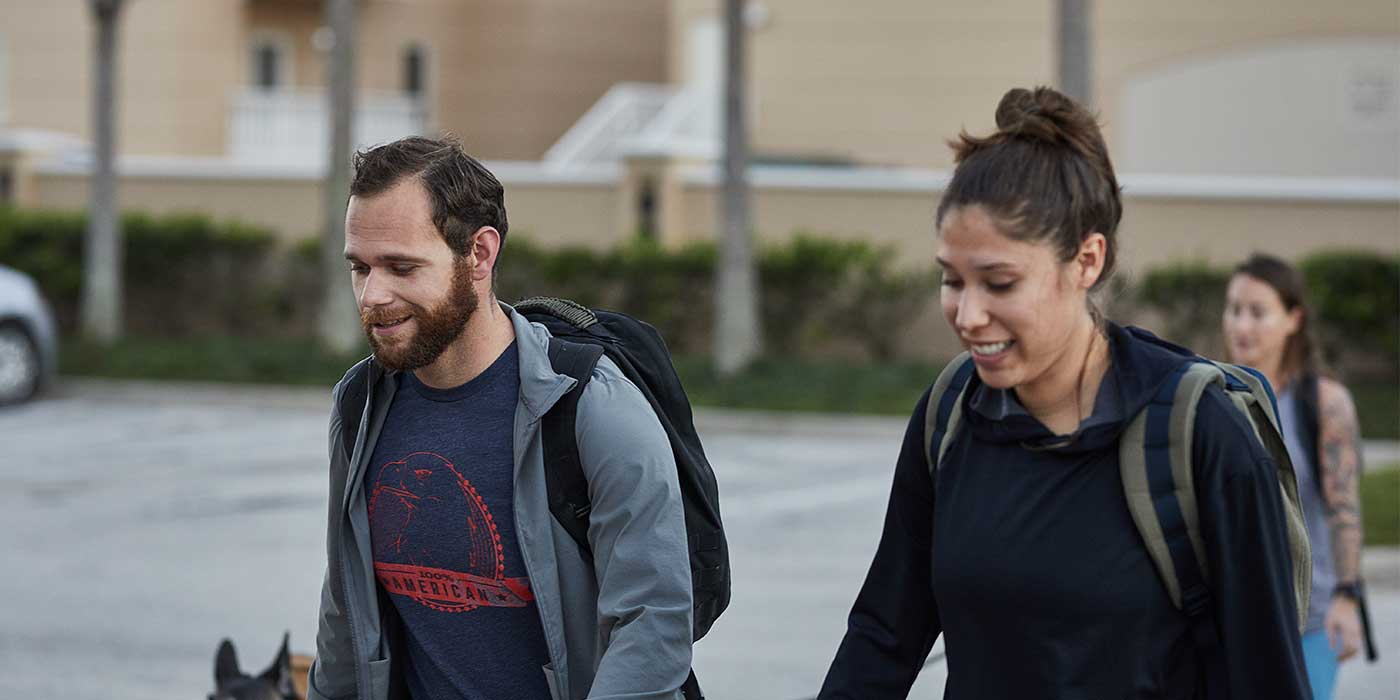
x=437 y=329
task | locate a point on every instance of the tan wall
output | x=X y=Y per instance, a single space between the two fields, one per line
x=884 y=83
x=175 y=63
x=580 y=214
x=1154 y=230
x=291 y=207
x=889 y=82
x=1135 y=36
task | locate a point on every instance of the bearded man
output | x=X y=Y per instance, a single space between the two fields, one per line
x=447 y=575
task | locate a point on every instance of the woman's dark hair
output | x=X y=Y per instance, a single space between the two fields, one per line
x=465 y=195
x=1300 y=356
x=1044 y=174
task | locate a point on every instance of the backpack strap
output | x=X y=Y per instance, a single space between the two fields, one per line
x=352 y=404
x=565 y=482
x=1155 y=463
x=1160 y=489
x=944 y=411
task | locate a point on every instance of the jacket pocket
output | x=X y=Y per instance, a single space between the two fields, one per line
x=379 y=679
x=552 y=679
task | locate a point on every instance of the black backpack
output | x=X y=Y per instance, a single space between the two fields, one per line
x=580 y=337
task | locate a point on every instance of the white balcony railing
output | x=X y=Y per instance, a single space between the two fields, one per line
x=285 y=127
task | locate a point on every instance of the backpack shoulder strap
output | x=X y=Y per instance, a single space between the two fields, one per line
x=1158 y=482
x=565 y=482
x=1160 y=489
x=944 y=410
x=351 y=406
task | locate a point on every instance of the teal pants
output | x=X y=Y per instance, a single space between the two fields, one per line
x=1321 y=662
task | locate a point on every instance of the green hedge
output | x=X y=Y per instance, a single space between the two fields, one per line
x=189 y=276
x=1356 y=298
x=817 y=294
x=1189 y=296
x=183 y=273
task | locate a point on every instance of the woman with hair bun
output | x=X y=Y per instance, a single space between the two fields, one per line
x=1266 y=327
x=1011 y=536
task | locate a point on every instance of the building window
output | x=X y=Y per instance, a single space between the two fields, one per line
x=271 y=61
x=415 y=70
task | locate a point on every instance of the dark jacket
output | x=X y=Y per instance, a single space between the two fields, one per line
x=1028 y=561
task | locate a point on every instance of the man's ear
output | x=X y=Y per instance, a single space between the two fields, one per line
x=486 y=248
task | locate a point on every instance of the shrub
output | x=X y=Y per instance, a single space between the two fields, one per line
x=182 y=273
x=806 y=284
x=1356 y=299
x=188 y=276
x=1190 y=298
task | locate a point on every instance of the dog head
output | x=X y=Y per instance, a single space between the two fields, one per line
x=231 y=683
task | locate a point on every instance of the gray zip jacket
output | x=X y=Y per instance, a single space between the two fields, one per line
x=616 y=627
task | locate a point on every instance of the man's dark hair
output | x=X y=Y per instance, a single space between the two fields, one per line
x=465 y=195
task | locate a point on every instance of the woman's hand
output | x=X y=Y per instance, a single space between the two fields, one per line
x=1343 y=625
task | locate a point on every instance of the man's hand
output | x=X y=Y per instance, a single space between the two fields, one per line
x=1343 y=625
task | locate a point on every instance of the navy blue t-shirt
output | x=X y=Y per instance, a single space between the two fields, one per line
x=440 y=489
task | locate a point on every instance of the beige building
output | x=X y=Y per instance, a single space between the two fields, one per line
x=1235 y=126
x=242 y=79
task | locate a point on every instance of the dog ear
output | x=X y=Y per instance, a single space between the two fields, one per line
x=226 y=664
x=280 y=672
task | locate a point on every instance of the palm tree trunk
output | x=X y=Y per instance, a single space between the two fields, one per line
x=1075 y=56
x=102 y=259
x=339 y=322
x=738 y=335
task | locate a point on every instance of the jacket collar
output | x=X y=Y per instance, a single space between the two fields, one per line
x=540 y=385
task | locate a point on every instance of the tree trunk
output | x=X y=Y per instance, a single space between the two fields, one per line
x=1075 y=50
x=738 y=336
x=339 y=322
x=102 y=258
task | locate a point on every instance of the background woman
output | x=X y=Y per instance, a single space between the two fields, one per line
x=1023 y=554
x=1266 y=327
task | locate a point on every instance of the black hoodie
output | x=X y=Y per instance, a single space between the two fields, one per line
x=1033 y=569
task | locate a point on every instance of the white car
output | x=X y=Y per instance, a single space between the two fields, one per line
x=28 y=338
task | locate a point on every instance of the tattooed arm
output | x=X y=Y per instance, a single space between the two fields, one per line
x=1340 y=455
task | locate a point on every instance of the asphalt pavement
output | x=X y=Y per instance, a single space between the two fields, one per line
x=145 y=522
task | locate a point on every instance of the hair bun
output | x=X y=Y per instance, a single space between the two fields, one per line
x=1046 y=115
